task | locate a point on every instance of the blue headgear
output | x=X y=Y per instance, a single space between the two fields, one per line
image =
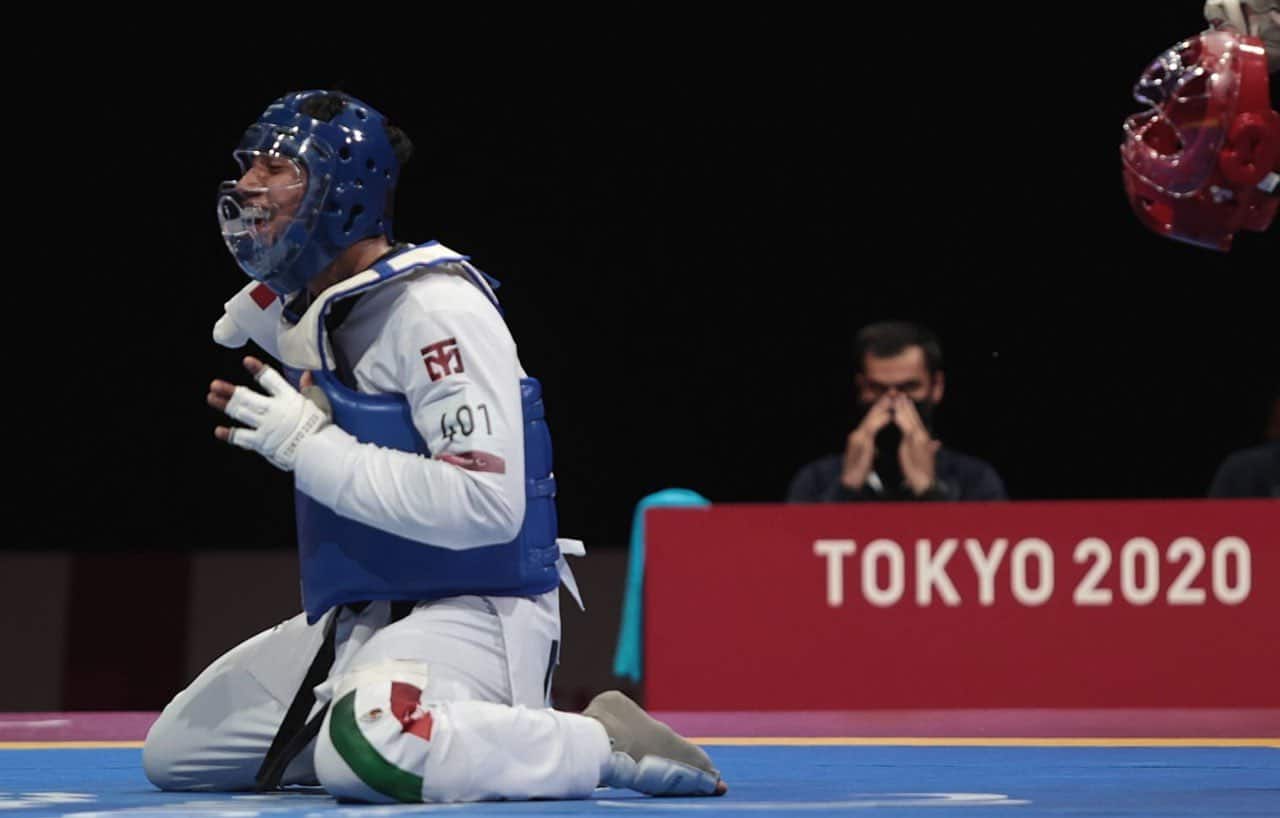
x=350 y=168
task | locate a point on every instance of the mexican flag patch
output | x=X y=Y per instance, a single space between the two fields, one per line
x=383 y=733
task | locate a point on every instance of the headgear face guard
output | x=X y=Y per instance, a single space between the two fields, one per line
x=1201 y=163
x=267 y=226
x=286 y=233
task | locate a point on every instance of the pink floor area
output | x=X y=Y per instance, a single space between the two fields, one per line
x=82 y=726
x=1136 y=723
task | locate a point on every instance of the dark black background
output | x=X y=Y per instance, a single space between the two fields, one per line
x=689 y=229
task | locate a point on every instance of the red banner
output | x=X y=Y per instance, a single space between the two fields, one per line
x=963 y=605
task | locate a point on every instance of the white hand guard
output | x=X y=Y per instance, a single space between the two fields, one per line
x=278 y=421
x=253 y=314
x=1256 y=18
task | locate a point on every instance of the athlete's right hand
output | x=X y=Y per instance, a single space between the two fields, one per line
x=277 y=422
x=860 y=447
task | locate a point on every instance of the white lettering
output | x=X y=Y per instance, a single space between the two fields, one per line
x=1238 y=548
x=1088 y=592
x=931 y=570
x=1040 y=550
x=835 y=551
x=891 y=552
x=1181 y=592
x=986 y=566
x=1146 y=549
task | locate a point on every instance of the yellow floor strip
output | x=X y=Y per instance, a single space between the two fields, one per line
x=988 y=742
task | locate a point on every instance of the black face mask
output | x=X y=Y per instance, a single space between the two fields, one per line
x=887 y=466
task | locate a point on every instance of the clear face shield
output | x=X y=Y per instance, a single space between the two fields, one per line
x=268 y=215
x=1191 y=92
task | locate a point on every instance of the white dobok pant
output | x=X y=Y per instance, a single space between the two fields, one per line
x=446 y=704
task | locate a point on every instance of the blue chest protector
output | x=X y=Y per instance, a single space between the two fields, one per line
x=346 y=561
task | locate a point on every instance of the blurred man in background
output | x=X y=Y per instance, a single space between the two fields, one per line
x=892 y=453
x=1252 y=472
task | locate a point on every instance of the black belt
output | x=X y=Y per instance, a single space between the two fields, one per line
x=296 y=730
